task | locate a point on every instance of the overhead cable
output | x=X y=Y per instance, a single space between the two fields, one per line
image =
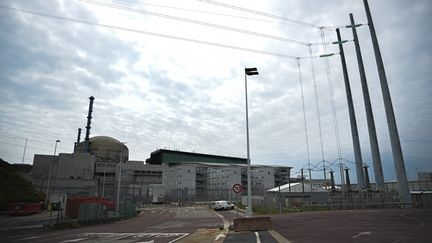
x=156 y=34
x=292 y=21
x=207 y=24
x=203 y=12
x=304 y=118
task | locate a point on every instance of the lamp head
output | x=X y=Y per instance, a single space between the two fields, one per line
x=251 y=71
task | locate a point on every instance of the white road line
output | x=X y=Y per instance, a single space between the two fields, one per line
x=220 y=235
x=362 y=233
x=163 y=210
x=74 y=240
x=225 y=222
x=193 y=210
x=31 y=237
x=185 y=234
x=257 y=237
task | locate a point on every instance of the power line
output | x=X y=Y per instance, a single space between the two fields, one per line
x=292 y=21
x=158 y=34
x=203 y=12
x=119 y=7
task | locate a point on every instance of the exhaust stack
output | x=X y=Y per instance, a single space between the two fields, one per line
x=89 y=117
x=78 y=138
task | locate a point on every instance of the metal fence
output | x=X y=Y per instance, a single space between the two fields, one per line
x=94 y=212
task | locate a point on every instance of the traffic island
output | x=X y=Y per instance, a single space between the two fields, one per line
x=252 y=224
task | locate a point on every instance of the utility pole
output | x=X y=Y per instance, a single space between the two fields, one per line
x=379 y=175
x=119 y=181
x=352 y=116
x=25 y=147
x=404 y=192
x=302 y=180
x=49 y=174
x=103 y=181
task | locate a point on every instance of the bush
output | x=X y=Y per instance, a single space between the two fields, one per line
x=15 y=188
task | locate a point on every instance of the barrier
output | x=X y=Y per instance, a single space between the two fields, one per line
x=252 y=224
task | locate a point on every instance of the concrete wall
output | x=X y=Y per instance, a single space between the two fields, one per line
x=41 y=165
x=179 y=177
x=76 y=166
x=223 y=177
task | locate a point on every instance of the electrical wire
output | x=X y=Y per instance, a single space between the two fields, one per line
x=304 y=118
x=332 y=102
x=292 y=21
x=202 y=23
x=155 y=34
x=317 y=108
x=202 y=12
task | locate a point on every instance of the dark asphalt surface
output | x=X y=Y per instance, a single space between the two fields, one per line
x=380 y=225
x=159 y=225
x=165 y=225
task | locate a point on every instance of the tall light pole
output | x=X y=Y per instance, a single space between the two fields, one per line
x=248 y=72
x=119 y=180
x=49 y=174
x=103 y=182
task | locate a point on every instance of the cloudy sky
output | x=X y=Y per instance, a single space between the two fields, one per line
x=163 y=77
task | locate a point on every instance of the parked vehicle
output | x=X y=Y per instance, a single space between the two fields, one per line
x=222 y=205
x=23 y=208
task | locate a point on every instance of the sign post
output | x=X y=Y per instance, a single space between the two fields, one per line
x=237 y=188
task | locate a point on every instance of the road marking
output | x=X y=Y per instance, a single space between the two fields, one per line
x=225 y=226
x=163 y=210
x=225 y=222
x=362 y=233
x=74 y=240
x=193 y=210
x=30 y=237
x=107 y=237
x=257 y=237
x=185 y=234
x=220 y=235
x=278 y=236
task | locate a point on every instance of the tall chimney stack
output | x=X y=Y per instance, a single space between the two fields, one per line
x=79 y=136
x=89 y=117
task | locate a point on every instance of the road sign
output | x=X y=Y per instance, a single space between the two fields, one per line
x=237 y=188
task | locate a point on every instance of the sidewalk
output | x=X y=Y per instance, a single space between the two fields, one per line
x=26 y=222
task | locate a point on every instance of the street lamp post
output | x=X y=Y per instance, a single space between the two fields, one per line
x=119 y=180
x=103 y=181
x=248 y=72
x=49 y=175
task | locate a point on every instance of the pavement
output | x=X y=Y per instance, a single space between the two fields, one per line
x=157 y=225
x=27 y=221
x=380 y=225
x=202 y=225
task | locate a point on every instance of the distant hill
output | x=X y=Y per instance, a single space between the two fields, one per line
x=15 y=188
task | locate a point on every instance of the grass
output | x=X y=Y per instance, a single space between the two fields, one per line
x=15 y=188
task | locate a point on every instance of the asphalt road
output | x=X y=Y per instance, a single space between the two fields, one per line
x=379 y=225
x=200 y=224
x=158 y=225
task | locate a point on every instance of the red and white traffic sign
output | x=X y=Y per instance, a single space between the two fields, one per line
x=237 y=188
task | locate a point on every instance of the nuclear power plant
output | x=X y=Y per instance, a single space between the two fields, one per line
x=100 y=167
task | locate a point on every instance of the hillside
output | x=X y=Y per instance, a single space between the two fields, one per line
x=15 y=188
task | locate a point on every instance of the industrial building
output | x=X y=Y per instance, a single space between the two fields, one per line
x=96 y=172
x=166 y=156
x=197 y=181
x=100 y=166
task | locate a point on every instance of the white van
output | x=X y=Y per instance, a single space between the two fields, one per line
x=222 y=205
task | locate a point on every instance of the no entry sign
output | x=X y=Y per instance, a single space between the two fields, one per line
x=237 y=188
